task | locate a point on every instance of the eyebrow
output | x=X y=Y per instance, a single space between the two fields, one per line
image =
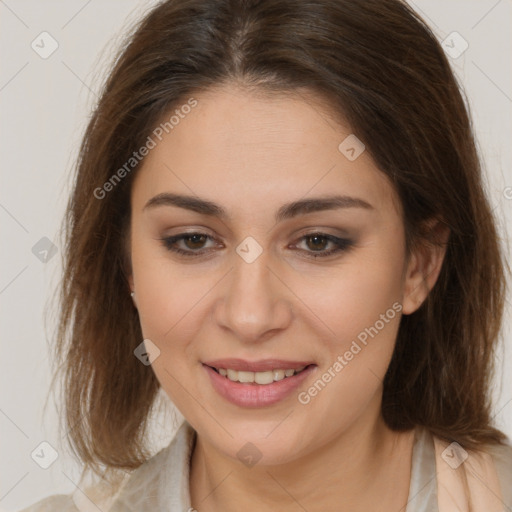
x=287 y=211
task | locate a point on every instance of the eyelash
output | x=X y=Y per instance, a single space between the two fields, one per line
x=341 y=244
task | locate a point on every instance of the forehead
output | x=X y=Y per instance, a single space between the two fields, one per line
x=240 y=148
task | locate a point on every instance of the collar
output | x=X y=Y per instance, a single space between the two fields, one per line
x=162 y=483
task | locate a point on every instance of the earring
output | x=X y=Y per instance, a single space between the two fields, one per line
x=133 y=295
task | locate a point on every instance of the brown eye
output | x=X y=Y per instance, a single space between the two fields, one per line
x=195 y=241
x=316 y=243
x=191 y=243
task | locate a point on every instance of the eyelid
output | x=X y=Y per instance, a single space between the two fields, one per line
x=330 y=238
x=167 y=242
x=341 y=244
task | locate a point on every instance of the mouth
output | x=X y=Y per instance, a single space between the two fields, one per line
x=258 y=378
x=257 y=384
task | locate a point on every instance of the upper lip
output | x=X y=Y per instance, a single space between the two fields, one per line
x=262 y=365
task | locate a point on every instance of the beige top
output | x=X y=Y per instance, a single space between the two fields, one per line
x=444 y=478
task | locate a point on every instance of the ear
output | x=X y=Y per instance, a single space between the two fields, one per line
x=132 y=290
x=424 y=265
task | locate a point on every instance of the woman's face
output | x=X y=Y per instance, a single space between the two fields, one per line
x=293 y=256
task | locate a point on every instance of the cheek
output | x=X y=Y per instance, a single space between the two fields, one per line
x=366 y=289
x=164 y=293
x=169 y=306
x=362 y=308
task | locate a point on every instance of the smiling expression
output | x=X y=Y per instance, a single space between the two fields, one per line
x=258 y=248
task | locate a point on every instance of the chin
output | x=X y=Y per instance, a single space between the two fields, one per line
x=266 y=441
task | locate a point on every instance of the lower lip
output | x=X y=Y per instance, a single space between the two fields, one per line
x=256 y=395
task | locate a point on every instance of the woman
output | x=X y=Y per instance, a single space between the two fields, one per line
x=279 y=220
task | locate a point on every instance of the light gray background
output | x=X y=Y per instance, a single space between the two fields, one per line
x=45 y=105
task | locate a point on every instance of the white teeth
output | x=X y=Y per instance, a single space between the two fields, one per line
x=278 y=374
x=258 y=377
x=246 y=376
x=263 y=377
x=232 y=375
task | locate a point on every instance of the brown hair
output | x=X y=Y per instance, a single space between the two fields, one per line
x=384 y=72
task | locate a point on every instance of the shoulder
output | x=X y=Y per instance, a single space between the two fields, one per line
x=99 y=493
x=482 y=476
x=501 y=455
x=166 y=470
x=163 y=481
x=55 y=503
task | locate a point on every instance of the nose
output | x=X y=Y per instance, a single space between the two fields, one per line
x=254 y=303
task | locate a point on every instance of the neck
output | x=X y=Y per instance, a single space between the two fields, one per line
x=366 y=467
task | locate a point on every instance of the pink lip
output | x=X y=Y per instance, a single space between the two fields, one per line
x=263 y=365
x=256 y=395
